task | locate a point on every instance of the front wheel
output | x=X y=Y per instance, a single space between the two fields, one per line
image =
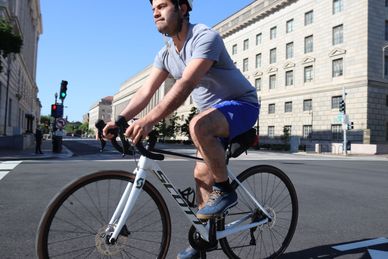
x=75 y=224
x=275 y=192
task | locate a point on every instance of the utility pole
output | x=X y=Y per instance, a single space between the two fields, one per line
x=344 y=120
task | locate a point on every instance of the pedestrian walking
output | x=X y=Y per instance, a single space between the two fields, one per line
x=38 y=141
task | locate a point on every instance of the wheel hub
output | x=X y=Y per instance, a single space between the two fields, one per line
x=104 y=246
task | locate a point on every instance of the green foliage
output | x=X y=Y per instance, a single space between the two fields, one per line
x=286 y=135
x=172 y=127
x=45 y=124
x=9 y=42
x=185 y=128
x=161 y=128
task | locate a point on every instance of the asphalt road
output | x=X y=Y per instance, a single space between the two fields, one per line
x=340 y=201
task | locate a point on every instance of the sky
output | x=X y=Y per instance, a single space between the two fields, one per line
x=96 y=45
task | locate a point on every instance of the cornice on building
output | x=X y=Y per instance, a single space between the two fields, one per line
x=250 y=14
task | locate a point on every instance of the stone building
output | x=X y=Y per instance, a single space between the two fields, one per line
x=101 y=110
x=19 y=103
x=302 y=55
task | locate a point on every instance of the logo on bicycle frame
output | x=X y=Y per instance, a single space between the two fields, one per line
x=139 y=183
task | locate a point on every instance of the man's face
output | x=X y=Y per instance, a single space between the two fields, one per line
x=166 y=18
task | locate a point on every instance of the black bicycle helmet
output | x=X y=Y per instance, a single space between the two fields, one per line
x=178 y=2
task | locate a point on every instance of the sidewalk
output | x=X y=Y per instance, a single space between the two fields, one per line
x=29 y=153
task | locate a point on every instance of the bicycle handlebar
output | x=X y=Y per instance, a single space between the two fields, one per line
x=122 y=125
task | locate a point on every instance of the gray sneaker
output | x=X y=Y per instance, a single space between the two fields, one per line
x=188 y=253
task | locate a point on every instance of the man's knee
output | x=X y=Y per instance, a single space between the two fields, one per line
x=209 y=123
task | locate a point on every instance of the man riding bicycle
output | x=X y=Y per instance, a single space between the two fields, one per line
x=197 y=59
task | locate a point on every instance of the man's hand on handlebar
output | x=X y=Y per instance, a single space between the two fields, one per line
x=138 y=130
x=107 y=134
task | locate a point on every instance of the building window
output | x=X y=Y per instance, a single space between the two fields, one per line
x=335 y=101
x=234 y=49
x=271 y=131
x=289 y=50
x=309 y=17
x=338 y=37
x=307 y=131
x=308 y=44
x=258 y=39
x=308 y=74
x=272 y=56
x=288 y=107
x=245 y=65
x=336 y=132
x=258 y=84
x=386 y=127
x=272 y=34
x=386 y=30
x=289 y=77
x=307 y=105
x=258 y=60
x=271 y=108
x=338 y=6
x=290 y=26
x=246 y=44
x=272 y=81
x=338 y=67
x=386 y=65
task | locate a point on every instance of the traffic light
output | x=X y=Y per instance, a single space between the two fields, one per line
x=62 y=92
x=351 y=126
x=57 y=110
x=342 y=106
x=54 y=108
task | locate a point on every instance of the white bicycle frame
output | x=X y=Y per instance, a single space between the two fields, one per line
x=130 y=195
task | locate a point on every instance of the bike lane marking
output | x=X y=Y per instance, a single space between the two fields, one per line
x=374 y=254
x=7 y=166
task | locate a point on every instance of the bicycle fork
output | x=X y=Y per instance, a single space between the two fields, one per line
x=126 y=203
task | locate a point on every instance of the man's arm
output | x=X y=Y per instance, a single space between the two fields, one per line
x=141 y=98
x=179 y=92
x=182 y=88
x=144 y=94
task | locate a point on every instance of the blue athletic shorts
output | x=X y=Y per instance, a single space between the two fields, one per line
x=240 y=115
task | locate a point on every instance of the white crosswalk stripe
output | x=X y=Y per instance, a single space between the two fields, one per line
x=7 y=166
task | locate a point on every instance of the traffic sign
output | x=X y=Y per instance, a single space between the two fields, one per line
x=60 y=123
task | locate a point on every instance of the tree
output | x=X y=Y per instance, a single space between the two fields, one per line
x=45 y=122
x=172 y=126
x=286 y=135
x=161 y=128
x=9 y=42
x=185 y=128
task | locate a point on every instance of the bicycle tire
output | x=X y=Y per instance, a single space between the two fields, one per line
x=274 y=191
x=75 y=221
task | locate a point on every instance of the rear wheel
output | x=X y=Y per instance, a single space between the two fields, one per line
x=275 y=192
x=75 y=224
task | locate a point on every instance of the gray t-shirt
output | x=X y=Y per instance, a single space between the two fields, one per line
x=223 y=81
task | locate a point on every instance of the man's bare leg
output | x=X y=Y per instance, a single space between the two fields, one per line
x=205 y=129
x=204 y=182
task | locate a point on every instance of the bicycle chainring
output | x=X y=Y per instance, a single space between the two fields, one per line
x=197 y=242
x=104 y=246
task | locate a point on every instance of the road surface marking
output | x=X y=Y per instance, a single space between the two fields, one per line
x=7 y=166
x=361 y=244
x=375 y=254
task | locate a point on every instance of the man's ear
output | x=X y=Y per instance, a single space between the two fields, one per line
x=184 y=9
